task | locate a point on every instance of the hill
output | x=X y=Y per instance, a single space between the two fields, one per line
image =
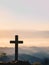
x=31 y=54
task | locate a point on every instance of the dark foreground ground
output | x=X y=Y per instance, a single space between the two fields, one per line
x=15 y=63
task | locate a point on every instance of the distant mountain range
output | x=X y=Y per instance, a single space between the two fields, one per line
x=39 y=52
x=22 y=57
x=31 y=54
x=8 y=51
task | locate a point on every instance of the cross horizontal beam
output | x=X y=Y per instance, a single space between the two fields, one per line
x=15 y=41
x=20 y=41
x=12 y=41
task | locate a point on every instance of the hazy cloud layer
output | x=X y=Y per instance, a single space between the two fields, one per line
x=24 y=34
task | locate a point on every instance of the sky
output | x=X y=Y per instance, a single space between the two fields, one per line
x=26 y=17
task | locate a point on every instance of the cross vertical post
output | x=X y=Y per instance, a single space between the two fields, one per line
x=16 y=46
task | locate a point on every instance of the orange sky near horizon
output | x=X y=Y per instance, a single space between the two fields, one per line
x=30 y=39
x=27 y=43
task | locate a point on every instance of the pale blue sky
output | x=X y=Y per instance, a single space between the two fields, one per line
x=24 y=14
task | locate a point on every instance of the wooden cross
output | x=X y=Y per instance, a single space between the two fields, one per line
x=16 y=46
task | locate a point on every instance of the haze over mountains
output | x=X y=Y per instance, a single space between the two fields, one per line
x=39 y=52
x=31 y=54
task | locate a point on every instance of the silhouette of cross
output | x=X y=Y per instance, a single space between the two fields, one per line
x=16 y=46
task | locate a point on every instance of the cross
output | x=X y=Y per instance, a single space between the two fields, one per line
x=16 y=46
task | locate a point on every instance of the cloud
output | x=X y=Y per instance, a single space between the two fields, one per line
x=24 y=34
